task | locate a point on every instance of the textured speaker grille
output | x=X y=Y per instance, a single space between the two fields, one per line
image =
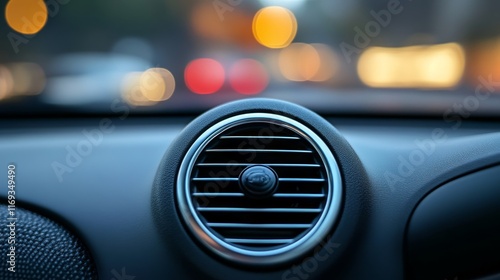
x=261 y=226
x=43 y=250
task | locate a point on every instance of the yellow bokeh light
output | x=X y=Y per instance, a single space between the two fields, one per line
x=301 y=62
x=21 y=79
x=29 y=78
x=434 y=66
x=157 y=84
x=132 y=92
x=274 y=27
x=6 y=82
x=26 y=16
x=149 y=87
x=329 y=63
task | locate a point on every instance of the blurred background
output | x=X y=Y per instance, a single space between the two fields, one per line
x=169 y=57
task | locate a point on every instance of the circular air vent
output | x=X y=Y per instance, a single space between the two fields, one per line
x=259 y=188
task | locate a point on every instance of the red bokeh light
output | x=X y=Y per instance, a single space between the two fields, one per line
x=204 y=76
x=248 y=76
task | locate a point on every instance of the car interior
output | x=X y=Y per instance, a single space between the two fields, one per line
x=269 y=139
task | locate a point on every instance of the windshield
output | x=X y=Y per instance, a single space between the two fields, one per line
x=358 y=56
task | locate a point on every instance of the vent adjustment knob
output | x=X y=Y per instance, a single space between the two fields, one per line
x=258 y=180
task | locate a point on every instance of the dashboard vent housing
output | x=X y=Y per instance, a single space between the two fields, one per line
x=282 y=223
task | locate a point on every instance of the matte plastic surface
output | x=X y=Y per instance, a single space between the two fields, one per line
x=455 y=230
x=107 y=195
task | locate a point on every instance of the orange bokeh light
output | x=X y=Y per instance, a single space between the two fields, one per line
x=235 y=27
x=274 y=27
x=26 y=16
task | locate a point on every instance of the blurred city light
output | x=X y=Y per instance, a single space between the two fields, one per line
x=149 y=87
x=26 y=16
x=29 y=78
x=425 y=66
x=204 y=76
x=6 y=82
x=134 y=47
x=232 y=27
x=132 y=92
x=89 y=78
x=17 y=79
x=248 y=76
x=329 y=63
x=274 y=27
x=301 y=62
x=484 y=61
x=157 y=84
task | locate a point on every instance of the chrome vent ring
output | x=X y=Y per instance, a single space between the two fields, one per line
x=272 y=228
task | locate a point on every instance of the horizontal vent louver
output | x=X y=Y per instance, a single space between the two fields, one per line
x=259 y=188
x=259 y=223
